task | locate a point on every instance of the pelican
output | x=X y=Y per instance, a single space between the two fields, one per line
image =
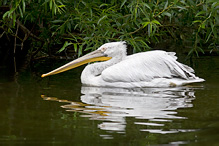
x=147 y=69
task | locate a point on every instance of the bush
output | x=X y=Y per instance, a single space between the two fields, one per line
x=86 y=24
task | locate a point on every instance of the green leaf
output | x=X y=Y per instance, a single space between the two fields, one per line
x=197 y=21
x=54 y=9
x=211 y=1
x=156 y=22
x=102 y=5
x=136 y=12
x=88 y=48
x=201 y=50
x=149 y=29
x=75 y=47
x=75 y=26
x=66 y=44
x=166 y=5
x=50 y=4
x=124 y=1
x=144 y=43
x=57 y=21
x=209 y=35
x=21 y=13
x=14 y=19
x=6 y=14
x=202 y=25
x=191 y=51
x=166 y=14
x=23 y=6
x=215 y=32
x=215 y=4
x=61 y=6
x=146 y=5
x=98 y=22
x=80 y=50
x=200 y=13
x=145 y=24
x=175 y=1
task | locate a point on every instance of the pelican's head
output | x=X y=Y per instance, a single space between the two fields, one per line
x=113 y=49
x=103 y=53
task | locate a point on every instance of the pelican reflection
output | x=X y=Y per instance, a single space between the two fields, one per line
x=149 y=106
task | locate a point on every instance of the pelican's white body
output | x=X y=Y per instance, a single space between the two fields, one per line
x=147 y=69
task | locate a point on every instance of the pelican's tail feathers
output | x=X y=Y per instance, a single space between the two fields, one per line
x=188 y=68
x=197 y=80
x=174 y=82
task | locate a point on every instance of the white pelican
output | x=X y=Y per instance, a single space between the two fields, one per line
x=146 y=69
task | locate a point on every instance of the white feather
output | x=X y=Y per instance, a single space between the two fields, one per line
x=147 y=69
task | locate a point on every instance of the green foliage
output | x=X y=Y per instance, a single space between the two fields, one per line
x=87 y=24
x=208 y=22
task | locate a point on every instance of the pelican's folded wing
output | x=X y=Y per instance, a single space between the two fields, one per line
x=147 y=66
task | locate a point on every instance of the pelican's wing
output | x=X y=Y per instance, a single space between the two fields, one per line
x=147 y=66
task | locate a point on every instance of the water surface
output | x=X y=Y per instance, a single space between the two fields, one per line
x=59 y=110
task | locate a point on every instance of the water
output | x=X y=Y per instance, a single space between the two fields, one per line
x=59 y=110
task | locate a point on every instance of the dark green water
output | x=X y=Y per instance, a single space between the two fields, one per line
x=59 y=110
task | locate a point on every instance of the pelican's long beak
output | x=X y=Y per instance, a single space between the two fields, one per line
x=91 y=57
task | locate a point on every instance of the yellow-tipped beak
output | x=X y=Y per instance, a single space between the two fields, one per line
x=91 y=57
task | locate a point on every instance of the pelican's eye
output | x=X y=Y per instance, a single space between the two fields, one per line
x=103 y=49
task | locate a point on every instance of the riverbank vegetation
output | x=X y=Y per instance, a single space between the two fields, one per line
x=83 y=25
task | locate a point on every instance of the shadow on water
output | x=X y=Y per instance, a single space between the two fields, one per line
x=113 y=105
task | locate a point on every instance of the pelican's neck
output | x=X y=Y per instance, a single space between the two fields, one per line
x=94 y=70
